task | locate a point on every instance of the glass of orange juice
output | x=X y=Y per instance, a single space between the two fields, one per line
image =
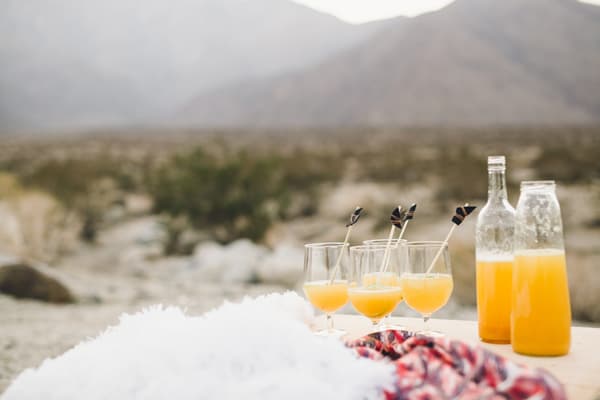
x=426 y=287
x=326 y=268
x=374 y=285
x=392 y=276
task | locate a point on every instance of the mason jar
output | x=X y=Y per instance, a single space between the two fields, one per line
x=541 y=311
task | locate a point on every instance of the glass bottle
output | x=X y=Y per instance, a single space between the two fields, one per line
x=494 y=257
x=541 y=311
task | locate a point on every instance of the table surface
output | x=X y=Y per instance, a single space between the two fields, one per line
x=579 y=370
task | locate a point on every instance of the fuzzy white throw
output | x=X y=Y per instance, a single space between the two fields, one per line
x=258 y=349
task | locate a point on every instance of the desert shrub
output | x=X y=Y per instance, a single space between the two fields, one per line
x=68 y=179
x=34 y=224
x=231 y=197
x=388 y=164
x=87 y=187
x=304 y=171
x=462 y=175
x=569 y=164
x=180 y=236
x=463 y=272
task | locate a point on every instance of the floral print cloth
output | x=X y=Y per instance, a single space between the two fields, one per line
x=440 y=368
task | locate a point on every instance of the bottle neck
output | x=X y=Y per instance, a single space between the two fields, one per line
x=496 y=185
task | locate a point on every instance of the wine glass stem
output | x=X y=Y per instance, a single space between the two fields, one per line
x=385 y=322
x=376 y=324
x=425 y=319
x=329 y=322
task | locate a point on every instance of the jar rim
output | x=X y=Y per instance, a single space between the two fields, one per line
x=527 y=185
x=371 y=248
x=333 y=245
x=496 y=163
x=428 y=243
x=382 y=242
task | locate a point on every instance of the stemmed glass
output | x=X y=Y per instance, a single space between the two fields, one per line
x=372 y=293
x=325 y=284
x=394 y=271
x=427 y=288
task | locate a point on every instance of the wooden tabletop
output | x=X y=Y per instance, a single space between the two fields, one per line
x=579 y=371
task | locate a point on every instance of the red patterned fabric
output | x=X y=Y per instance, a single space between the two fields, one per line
x=440 y=368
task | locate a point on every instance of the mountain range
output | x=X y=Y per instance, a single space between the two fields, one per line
x=473 y=62
x=89 y=63
x=274 y=63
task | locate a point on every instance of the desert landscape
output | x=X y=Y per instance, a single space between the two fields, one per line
x=183 y=152
x=97 y=213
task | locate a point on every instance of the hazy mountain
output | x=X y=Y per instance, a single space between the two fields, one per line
x=473 y=62
x=87 y=62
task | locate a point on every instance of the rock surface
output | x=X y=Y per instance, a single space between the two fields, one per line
x=26 y=282
x=283 y=266
x=236 y=262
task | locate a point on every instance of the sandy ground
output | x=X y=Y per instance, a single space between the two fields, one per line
x=109 y=279
x=31 y=331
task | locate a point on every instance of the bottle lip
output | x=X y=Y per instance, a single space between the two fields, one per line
x=496 y=163
x=538 y=185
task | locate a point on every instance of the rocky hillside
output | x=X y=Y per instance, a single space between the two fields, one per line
x=473 y=62
x=88 y=64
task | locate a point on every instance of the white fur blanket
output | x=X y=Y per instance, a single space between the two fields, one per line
x=258 y=349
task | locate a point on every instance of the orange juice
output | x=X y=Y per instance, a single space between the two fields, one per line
x=325 y=296
x=382 y=279
x=541 y=312
x=375 y=303
x=426 y=293
x=494 y=288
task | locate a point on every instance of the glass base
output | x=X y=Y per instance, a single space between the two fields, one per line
x=387 y=325
x=391 y=327
x=433 y=334
x=494 y=341
x=334 y=333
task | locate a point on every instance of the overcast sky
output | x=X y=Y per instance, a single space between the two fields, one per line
x=357 y=11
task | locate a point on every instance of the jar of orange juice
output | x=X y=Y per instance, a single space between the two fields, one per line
x=541 y=311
